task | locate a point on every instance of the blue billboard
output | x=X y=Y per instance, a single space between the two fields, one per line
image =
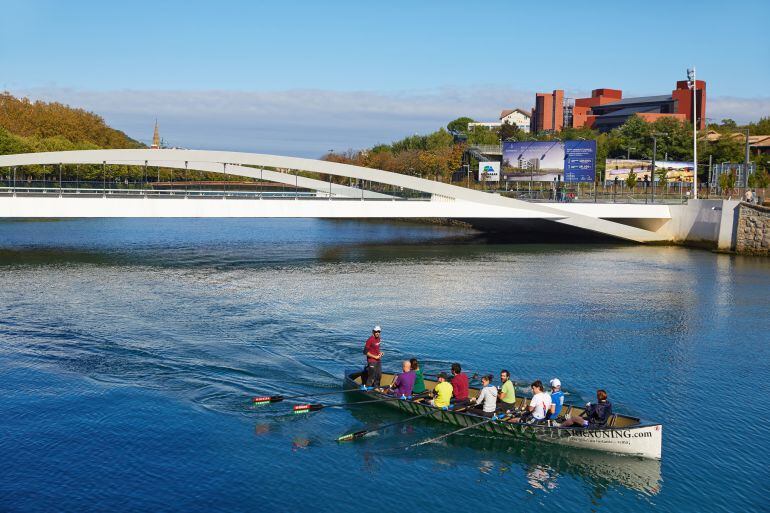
x=547 y=161
x=579 y=161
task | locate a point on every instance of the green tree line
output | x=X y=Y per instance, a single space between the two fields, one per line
x=439 y=154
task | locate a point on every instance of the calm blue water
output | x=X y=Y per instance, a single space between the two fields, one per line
x=129 y=350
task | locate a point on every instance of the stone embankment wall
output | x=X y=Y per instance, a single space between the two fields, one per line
x=753 y=237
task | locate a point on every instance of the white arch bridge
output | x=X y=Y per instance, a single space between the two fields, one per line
x=634 y=222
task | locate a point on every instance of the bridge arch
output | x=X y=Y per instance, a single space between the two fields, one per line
x=210 y=160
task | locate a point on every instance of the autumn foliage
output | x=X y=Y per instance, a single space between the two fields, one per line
x=435 y=156
x=27 y=126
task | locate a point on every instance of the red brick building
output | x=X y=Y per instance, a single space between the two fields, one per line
x=548 y=114
x=606 y=108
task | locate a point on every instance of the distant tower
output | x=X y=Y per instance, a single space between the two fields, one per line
x=155 y=137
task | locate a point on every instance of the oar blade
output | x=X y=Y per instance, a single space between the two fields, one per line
x=306 y=408
x=352 y=436
x=267 y=399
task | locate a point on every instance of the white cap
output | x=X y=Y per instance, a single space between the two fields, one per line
x=377 y=328
x=555 y=383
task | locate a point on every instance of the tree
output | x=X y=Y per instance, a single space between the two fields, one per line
x=439 y=139
x=759 y=179
x=631 y=180
x=459 y=125
x=483 y=135
x=761 y=127
x=727 y=181
x=677 y=141
x=723 y=149
x=635 y=133
x=729 y=124
x=509 y=131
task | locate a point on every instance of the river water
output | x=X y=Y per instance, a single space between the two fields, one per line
x=129 y=350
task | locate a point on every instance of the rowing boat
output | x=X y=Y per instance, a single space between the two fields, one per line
x=623 y=434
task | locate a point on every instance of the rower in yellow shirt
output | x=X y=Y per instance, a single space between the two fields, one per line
x=442 y=391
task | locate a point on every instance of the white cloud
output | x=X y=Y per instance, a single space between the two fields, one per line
x=310 y=122
x=742 y=110
x=298 y=122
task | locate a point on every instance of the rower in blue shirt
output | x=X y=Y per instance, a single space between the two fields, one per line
x=557 y=399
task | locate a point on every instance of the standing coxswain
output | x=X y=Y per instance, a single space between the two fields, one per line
x=373 y=359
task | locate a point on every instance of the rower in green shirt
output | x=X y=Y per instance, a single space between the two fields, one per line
x=506 y=399
x=419 y=380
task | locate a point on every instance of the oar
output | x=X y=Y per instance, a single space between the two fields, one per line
x=278 y=398
x=364 y=432
x=445 y=435
x=304 y=408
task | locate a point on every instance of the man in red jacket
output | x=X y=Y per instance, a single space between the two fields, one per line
x=373 y=359
x=459 y=386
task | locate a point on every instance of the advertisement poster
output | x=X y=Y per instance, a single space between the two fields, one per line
x=489 y=171
x=675 y=171
x=549 y=161
x=579 y=161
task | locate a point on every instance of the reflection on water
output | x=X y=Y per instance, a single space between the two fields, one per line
x=542 y=464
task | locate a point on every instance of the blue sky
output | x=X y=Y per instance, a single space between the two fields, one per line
x=303 y=77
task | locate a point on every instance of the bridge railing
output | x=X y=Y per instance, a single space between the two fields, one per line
x=671 y=193
x=129 y=189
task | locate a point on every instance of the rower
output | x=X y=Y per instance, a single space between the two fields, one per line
x=373 y=359
x=557 y=399
x=459 y=386
x=487 y=396
x=506 y=398
x=538 y=405
x=442 y=391
x=596 y=415
x=419 y=379
x=403 y=383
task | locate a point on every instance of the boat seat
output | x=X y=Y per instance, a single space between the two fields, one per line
x=612 y=420
x=563 y=414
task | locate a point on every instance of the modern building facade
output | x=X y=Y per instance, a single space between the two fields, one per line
x=548 y=114
x=606 y=108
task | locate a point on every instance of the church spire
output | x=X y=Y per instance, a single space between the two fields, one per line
x=155 y=137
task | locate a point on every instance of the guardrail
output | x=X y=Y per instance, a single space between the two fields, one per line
x=183 y=194
x=487 y=148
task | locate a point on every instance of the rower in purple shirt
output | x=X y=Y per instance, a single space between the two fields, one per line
x=404 y=382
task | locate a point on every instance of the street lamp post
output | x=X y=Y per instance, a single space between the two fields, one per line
x=693 y=85
x=654 y=136
x=708 y=184
x=652 y=172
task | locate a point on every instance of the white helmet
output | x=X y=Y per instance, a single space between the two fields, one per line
x=377 y=328
x=555 y=383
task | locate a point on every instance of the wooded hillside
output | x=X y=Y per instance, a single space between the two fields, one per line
x=27 y=126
